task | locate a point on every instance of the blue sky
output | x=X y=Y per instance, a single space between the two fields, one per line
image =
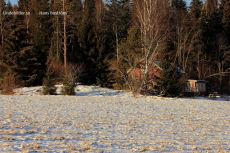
x=12 y=1
x=15 y=1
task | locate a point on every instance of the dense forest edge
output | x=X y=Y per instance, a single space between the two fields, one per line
x=145 y=46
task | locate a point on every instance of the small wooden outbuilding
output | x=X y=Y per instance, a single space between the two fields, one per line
x=198 y=87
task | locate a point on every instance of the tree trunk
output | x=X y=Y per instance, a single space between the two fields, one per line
x=149 y=17
x=1 y=22
x=65 y=37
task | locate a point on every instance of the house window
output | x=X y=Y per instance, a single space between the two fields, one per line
x=201 y=87
x=187 y=87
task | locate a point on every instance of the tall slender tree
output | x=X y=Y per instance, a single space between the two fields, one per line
x=119 y=18
x=152 y=19
x=94 y=46
x=196 y=9
x=196 y=62
x=225 y=13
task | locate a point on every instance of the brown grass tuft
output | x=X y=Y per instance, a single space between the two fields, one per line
x=34 y=145
x=72 y=147
x=145 y=149
x=23 y=147
x=85 y=146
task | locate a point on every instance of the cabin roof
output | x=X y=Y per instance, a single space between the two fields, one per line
x=157 y=64
x=199 y=81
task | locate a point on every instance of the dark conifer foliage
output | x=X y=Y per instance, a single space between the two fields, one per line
x=19 y=57
x=118 y=16
x=48 y=83
x=118 y=40
x=94 y=49
x=225 y=14
x=171 y=82
x=179 y=4
x=196 y=9
x=68 y=85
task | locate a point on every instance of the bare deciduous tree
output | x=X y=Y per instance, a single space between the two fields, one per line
x=64 y=31
x=151 y=17
x=222 y=59
x=186 y=34
x=2 y=19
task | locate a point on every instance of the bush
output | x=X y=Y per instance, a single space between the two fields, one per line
x=48 y=84
x=70 y=76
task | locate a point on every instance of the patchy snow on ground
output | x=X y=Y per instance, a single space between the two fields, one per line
x=81 y=90
x=104 y=120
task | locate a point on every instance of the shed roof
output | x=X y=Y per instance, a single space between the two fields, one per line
x=157 y=64
x=199 y=81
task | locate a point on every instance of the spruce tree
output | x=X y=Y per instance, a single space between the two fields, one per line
x=69 y=84
x=119 y=17
x=19 y=57
x=179 y=5
x=225 y=13
x=196 y=55
x=171 y=80
x=48 y=84
x=94 y=46
x=70 y=78
x=196 y=9
x=130 y=51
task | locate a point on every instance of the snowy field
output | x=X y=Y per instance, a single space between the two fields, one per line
x=102 y=120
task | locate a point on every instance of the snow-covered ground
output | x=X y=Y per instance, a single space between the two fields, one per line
x=103 y=120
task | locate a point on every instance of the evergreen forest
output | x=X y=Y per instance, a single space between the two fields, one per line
x=116 y=43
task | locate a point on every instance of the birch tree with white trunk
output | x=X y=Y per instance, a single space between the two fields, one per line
x=151 y=17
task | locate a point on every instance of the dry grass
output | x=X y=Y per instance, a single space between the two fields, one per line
x=39 y=137
x=85 y=146
x=30 y=131
x=16 y=125
x=44 y=131
x=23 y=147
x=70 y=70
x=58 y=69
x=34 y=145
x=9 y=83
x=145 y=149
x=128 y=128
x=72 y=147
